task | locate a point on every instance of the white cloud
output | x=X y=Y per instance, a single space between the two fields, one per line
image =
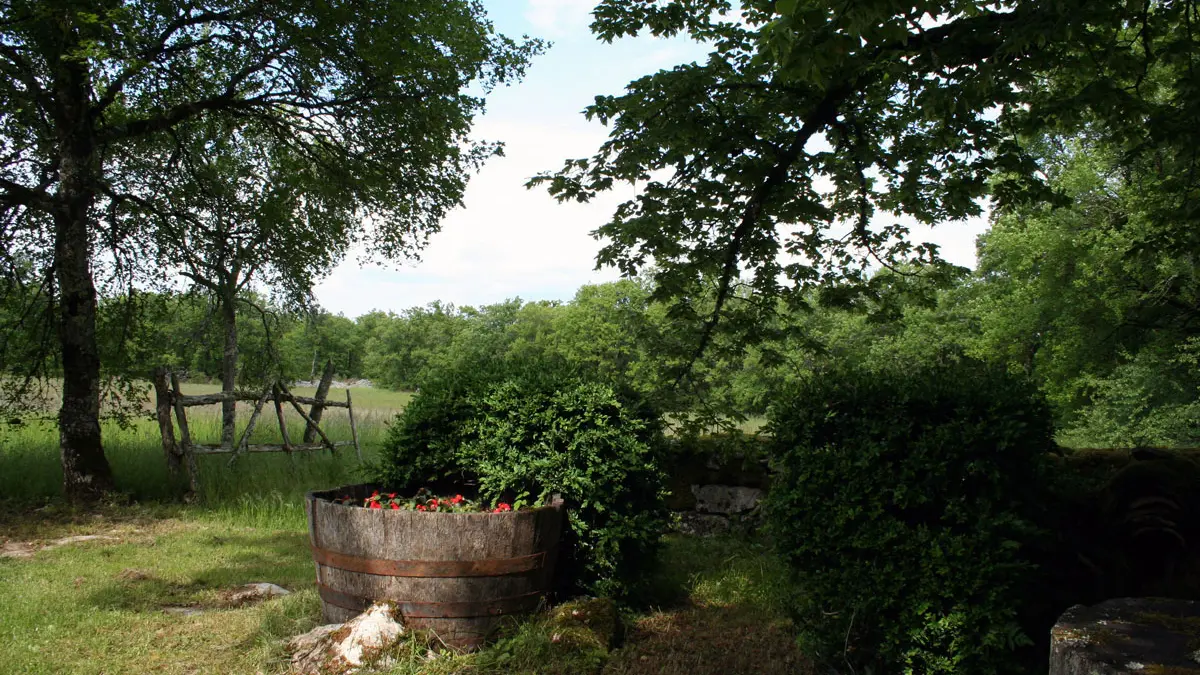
x=556 y=17
x=508 y=241
x=956 y=240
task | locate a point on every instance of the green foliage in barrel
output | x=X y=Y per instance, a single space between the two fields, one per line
x=600 y=449
x=523 y=430
x=905 y=506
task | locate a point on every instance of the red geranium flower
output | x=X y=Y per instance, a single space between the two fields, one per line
x=376 y=505
x=420 y=507
x=395 y=506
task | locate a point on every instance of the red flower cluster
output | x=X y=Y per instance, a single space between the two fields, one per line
x=423 y=501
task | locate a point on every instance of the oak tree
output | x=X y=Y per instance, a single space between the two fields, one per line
x=371 y=99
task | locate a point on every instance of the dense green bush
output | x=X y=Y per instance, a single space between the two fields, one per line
x=423 y=442
x=904 y=505
x=526 y=431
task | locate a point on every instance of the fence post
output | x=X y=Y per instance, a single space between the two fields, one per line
x=300 y=409
x=353 y=429
x=162 y=408
x=185 y=438
x=283 y=431
x=243 y=444
x=318 y=407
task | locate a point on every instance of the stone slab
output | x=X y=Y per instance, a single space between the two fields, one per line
x=1128 y=636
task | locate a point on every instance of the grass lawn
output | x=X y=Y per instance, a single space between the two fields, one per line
x=100 y=606
x=114 y=603
x=104 y=605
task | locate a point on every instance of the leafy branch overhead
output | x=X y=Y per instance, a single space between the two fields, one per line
x=373 y=106
x=814 y=134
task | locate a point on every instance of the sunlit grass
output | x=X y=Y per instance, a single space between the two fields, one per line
x=99 y=606
x=30 y=468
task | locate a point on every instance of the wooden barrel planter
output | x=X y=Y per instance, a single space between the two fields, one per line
x=456 y=574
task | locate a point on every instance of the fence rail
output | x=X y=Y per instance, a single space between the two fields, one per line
x=188 y=401
x=182 y=453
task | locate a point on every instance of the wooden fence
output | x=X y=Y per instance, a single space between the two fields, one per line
x=182 y=453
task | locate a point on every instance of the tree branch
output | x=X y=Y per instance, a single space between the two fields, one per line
x=226 y=100
x=146 y=57
x=982 y=35
x=20 y=195
x=823 y=114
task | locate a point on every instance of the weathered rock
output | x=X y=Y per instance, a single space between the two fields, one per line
x=680 y=497
x=711 y=469
x=339 y=649
x=1127 y=636
x=310 y=650
x=251 y=593
x=727 y=499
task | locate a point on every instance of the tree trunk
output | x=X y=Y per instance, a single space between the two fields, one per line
x=86 y=473
x=229 y=367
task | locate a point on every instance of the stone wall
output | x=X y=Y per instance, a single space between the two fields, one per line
x=716 y=485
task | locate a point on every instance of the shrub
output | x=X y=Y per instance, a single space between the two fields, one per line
x=529 y=430
x=903 y=505
x=422 y=443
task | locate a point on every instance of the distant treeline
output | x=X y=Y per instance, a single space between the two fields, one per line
x=1086 y=298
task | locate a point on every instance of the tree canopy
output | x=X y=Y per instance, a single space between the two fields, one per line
x=797 y=154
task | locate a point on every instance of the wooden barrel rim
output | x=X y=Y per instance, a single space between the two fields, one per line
x=447 y=514
x=435 y=610
x=313 y=497
x=430 y=568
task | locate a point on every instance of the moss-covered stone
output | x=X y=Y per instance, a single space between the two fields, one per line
x=1126 y=636
x=597 y=616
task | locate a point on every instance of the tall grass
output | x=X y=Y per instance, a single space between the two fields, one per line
x=259 y=489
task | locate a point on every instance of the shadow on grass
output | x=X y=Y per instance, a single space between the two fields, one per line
x=144 y=592
x=281 y=558
x=719 y=608
x=730 y=571
x=708 y=641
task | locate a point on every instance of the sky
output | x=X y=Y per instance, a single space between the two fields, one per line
x=507 y=241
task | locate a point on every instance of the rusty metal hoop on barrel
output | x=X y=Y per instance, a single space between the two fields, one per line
x=455 y=574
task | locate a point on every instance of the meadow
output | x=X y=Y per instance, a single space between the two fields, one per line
x=30 y=470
